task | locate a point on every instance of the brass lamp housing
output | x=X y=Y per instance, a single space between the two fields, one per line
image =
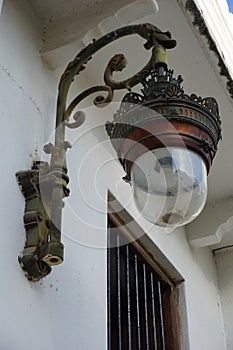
x=164 y=116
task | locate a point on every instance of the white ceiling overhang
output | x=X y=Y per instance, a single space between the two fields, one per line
x=67 y=21
x=69 y=25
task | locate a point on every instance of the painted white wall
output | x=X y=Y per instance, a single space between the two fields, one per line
x=63 y=310
x=224 y=261
x=218 y=232
x=68 y=308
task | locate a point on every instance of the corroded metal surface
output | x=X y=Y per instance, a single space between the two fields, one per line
x=42 y=247
x=156 y=39
x=164 y=116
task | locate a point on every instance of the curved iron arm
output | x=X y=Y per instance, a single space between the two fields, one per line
x=154 y=38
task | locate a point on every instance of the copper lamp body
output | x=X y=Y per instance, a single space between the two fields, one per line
x=169 y=124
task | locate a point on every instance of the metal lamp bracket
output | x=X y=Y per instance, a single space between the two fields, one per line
x=40 y=252
x=44 y=185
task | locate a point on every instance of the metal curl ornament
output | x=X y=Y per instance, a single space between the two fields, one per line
x=79 y=118
x=99 y=101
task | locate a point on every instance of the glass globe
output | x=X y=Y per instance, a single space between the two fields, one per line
x=169 y=186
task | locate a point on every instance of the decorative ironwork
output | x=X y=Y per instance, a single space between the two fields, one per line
x=43 y=246
x=140 y=116
x=160 y=90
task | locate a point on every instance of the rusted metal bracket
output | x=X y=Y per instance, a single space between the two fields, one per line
x=41 y=250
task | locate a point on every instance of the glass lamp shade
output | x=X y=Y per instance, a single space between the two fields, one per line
x=169 y=186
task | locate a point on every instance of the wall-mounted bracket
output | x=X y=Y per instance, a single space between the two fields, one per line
x=44 y=186
x=41 y=250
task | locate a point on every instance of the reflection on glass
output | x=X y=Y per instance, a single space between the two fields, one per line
x=169 y=186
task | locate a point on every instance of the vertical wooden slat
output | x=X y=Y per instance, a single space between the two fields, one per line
x=137 y=302
x=175 y=318
x=158 y=315
x=113 y=303
x=161 y=315
x=124 y=301
x=128 y=297
x=118 y=257
x=170 y=331
x=109 y=295
x=133 y=302
x=147 y=345
x=153 y=312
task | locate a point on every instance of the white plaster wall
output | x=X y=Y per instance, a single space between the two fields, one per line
x=224 y=261
x=68 y=308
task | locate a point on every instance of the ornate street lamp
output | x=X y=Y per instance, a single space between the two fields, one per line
x=165 y=140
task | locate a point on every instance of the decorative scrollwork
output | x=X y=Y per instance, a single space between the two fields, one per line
x=99 y=101
x=154 y=34
x=155 y=38
x=79 y=118
x=208 y=103
x=129 y=101
x=116 y=64
x=165 y=86
x=211 y=104
x=174 y=90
